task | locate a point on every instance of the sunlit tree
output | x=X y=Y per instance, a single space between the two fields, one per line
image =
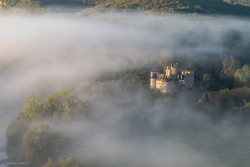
x=242 y=76
x=66 y=106
x=62 y=162
x=39 y=144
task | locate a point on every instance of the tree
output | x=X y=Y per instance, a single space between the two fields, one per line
x=208 y=83
x=225 y=99
x=14 y=135
x=62 y=162
x=58 y=105
x=28 y=4
x=240 y=96
x=244 y=112
x=66 y=106
x=34 y=145
x=230 y=65
x=206 y=100
x=33 y=108
x=39 y=144
x=242 y=76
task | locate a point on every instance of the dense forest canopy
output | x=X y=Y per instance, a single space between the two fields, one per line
x=34 y=143
x=185 y=6
x=161 y=6
x=241 y=2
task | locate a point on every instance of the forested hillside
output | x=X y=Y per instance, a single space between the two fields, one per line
x=162 y=6
x=244 y=2
x=241 y=2
x=46 y=3
x=189 y=6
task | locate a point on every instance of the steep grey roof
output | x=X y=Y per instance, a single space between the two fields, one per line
x=154 y=69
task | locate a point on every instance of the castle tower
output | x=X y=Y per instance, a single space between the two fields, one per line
x=153 y=76
x=189 y=79
x=168 y=72
x=174 y=70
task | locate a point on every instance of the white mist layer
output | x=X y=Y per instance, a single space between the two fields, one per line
x=146 y=135
x=42 y=50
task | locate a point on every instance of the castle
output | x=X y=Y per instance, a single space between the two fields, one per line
x=172 y=80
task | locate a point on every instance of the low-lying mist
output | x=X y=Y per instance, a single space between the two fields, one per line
x=37 y=50
x=144 y=134
x=45 y=53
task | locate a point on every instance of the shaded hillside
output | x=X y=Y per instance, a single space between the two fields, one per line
x=227 y=7
x=185 y=6
x=244 y=2
x=241 y=2
x=47 y=3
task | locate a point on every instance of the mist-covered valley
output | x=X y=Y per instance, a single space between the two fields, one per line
x=83 y=80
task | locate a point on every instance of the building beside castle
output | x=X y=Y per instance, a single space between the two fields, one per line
x=172 y=80
x=2 y=3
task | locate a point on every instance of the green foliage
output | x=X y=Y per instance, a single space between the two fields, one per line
x=240 y=96
x=244 y=2
x=247 y=104
x=14 y=137
x=66 y=106
x=35 y=4
x=62 y=162
x=241 y=2
x=42 y=141
x=127 y=80
x=207 y=109
x=208 y=83
x=242 y=76
x=188 y=6
x=230 y=65
x=183 y=6
x=225 y=99
x=164 y=100
x=33 y=108
x=39 y=144
x=243 y=112
x=29 y=4
x=59 y=105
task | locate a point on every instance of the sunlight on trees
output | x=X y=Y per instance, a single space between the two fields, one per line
x=62 y=162
x=35 y=146
x=242 y=76
x=40 y=143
